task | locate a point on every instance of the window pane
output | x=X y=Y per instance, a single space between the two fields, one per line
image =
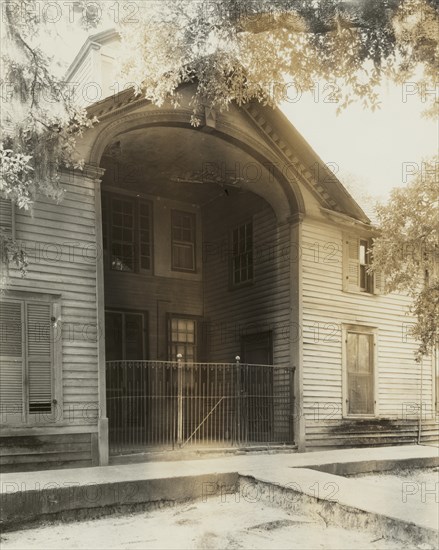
x=362 y=253
x=182 y=339
x=145 y=235
x=242 y=259
x=183 y=241
x=363 y=277
x=122 y=234
x=133 y=337
x=113 y=336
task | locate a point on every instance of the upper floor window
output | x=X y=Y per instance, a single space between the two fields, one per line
x=356 y=262
x=183 y=230
x=127 y=233
x=365 y=277
x=242 y=254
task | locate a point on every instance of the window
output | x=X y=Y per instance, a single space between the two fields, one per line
x=127 y=233
x=7 y=212
x=257 y=348
x=125 y=336
x=364 y=264
x=27 y=378
x=242 y=254
x=356 y=260
x=360 y=371
x=182 y=338
x=183 y=241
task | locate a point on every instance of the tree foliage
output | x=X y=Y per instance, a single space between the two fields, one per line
x=407 y=250
x=243 y=50
x=40 y=120
x=234 y=50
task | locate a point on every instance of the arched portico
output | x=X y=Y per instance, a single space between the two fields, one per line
x=229 y=282
x=290 y=200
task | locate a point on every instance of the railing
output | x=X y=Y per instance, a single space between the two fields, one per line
x=176 y=404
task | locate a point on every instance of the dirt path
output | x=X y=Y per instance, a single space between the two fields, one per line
x=201 y=525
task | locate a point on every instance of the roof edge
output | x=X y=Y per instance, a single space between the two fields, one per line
x=96 y=40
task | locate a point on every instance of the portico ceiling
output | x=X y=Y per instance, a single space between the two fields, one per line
x=188 y=164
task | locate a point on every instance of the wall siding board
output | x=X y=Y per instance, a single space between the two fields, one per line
x=45 y=452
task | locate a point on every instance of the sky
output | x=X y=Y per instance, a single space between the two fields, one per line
x=376 y=151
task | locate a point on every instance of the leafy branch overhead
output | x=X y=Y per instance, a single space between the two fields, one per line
x=234 y=50
x=40 y=121
x=248 y=49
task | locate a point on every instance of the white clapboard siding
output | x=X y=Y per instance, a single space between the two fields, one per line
x=326 y=307
x=261 y=306
x=60 y=240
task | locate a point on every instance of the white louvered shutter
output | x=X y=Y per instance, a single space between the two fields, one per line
x=39 y=358
x=11 y=361
x=7 y=217
x=378 y=282
x=351 y=267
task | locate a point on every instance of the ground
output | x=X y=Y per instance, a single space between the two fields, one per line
x=248 y=519
x=214 y=523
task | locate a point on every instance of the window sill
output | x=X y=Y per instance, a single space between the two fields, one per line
x=186 y=271
x=126 y=271
x=361 y=292
x=233 y=287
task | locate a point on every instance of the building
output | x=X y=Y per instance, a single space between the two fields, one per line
x=199 y=286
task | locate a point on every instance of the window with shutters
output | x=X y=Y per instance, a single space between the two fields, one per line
x=27 y=380
x=357 y=254
x=183 y=241
x=7 y=215
x=359 y=353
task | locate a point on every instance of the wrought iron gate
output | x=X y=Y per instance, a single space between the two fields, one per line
x=176 y=404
